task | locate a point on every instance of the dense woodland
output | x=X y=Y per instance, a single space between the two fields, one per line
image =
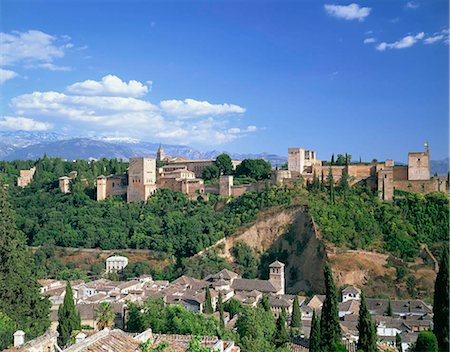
x=352 y=217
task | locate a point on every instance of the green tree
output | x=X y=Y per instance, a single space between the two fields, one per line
x=105 y=315
x=7 y=329
x=234 y=307
x=330 y=330
x=426 y=342
x=344 y=182
x=296 y=319
x=210 y=172
x=224 y=163
x=330 y=180
x=281 y=337
x=20 y=297
x=220 y=309
x=257 y=169
x=68 y=317
x=196 y=346
x=332 y=159
x=441 y=304
x=314 y=335
x=367 y=340
x=264 y=303
x=389 y=312
x=208 y=301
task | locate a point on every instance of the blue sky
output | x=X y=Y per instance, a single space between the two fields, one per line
x=368 y=78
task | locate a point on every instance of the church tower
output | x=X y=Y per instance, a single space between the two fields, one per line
x=276 y=276
x=160 y=155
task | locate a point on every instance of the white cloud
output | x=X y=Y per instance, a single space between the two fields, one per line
x=434 y=39
x=31 y=46
x=52 y=67
x=23 y=124
x=412 y=5
x=6 y=75
x=110 y=85
x=369 y=40
x=437 y=37
x=192 y=108
x=348 y=12
x=403 y=43
x=234 y=130
x=119 y=117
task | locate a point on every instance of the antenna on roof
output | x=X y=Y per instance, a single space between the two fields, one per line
x=427 y=146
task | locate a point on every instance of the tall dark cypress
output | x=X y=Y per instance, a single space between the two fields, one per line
x=208 y=302
x=20 y=297
x=314 y=335
x=322 y=182
x=441 y=305
x=330 y=330
x=296 y=319
x=367 y=340
x=68 y=317
x=220 y=309
x=281 y=335
x=330 y=180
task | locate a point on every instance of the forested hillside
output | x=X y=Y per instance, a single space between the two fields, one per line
x=169 y=222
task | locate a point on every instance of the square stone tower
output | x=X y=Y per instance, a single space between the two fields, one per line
x=276 y=276
x=101 y=188
x=299 y=159
x=141 y=179
x=419 y=165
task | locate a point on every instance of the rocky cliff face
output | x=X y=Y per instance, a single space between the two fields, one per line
x=287 y=235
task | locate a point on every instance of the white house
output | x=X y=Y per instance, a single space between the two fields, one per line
x=116 y=263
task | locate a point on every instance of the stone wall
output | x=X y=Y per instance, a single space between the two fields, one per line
x=435 y=184
x=116 y=185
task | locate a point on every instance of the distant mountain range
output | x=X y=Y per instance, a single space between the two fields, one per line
x=24 y=145
x=32 y=145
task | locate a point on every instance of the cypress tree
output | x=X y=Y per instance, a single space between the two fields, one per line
x=68 y=318
x=208 y=302
x=367 y=341
x=314 y=335
x=264 y=303
x=322 y=182
x=296 y=319
x=332 y=159
x=330 y=330
x=281 y=334
x=20 y=297
x=344 y=180
x=330 y=180
x=220 y=308
x=389 y=312
x=441 y=305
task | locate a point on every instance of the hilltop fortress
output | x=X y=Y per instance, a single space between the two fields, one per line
x=385 y=177
x=143 y=177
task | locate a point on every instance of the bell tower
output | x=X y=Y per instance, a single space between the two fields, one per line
x=276 y=276
x=160 y=155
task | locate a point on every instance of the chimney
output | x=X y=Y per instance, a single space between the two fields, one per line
x=80 y=337
x=19 y=338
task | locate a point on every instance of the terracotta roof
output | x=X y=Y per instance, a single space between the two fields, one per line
x=106 y=340
x=264 y=286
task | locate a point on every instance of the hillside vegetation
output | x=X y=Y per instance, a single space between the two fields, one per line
x=352 y=218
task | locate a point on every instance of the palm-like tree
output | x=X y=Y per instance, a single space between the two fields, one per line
x=105 y=315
